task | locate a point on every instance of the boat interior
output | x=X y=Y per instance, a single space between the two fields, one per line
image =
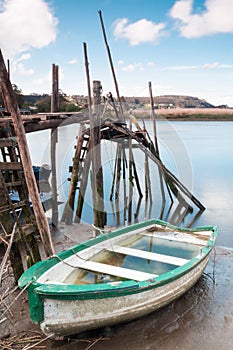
x=138 y=255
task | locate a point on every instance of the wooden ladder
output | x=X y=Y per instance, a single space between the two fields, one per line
x=12 y=179
x=79 y=173
x=16 y=215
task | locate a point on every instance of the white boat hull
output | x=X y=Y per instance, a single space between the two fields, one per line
x=64 y=317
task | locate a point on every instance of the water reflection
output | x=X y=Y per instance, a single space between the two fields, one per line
x=202 y=318
x=199 y=154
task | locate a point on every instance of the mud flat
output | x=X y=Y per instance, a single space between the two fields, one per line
x=200 y=319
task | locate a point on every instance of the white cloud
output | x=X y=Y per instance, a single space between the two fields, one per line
x=212 y=65
x=22 y=70
x=24 y=57
x=139 y=66
x=151 y=64
x=216 y=18
x=25 y=24
x=18 y=66
x=47 y=78
x=74 y=61
x=142 y=31
x=180 y=68
x=42 y=80
x=132 y=67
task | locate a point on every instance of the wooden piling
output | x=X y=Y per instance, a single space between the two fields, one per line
x=148 y=194
x=124 y=166
x=54 y=136
x=130 y=176
x=8 y=69
x=153 y=118
x=95 y=141
x=111 y=64
x=137 y=181
x=118 y=171
x=53 y=145
x=157 y=146
x=143 y=144
x=55 y=89
x=173 y=182
x=95 y=123
x=114 y=177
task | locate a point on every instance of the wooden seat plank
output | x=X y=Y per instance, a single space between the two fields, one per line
x=178 y=237
x=167 y=259
x=114 y=270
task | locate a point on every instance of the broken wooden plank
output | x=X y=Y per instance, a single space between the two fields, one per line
x=10 y=166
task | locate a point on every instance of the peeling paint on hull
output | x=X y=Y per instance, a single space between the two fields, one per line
x=64 y=317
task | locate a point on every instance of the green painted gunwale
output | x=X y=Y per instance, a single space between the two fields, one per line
x=37 y=292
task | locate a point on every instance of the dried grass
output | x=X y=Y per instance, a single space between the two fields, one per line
x=189 y=113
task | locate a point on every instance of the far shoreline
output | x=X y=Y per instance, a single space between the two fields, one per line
x=188 y=114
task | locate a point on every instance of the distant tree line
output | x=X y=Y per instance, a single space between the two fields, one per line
x=18 y=94
x=41 y=103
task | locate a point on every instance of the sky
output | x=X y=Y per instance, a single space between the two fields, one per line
x=183 y=47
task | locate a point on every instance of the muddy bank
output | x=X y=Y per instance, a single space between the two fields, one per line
x=201 y=319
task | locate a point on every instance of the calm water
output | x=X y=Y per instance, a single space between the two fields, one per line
x=198 y=153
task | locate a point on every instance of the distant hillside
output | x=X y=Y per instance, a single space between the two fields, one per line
x=173 y=101
x=182 y=101
x=166 y=101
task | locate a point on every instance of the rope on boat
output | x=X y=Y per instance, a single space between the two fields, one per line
x=101 y=230
x=65 y=262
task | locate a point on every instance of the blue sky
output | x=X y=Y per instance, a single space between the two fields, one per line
x=183 y=47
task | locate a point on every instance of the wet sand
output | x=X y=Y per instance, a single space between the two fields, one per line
x=200 y=319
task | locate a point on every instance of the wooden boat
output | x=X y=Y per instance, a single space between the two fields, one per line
x=116 y=277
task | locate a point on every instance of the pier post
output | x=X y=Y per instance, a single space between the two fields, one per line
x=130 y=175
x=54 y=136
x=95 y=147
x=55 y=89
x=95 y=134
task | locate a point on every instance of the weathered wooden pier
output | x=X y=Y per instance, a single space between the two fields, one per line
x=21 y=228
x=94 y=128
x=41 y=121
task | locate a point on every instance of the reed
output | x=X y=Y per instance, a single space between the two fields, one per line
x=189 y=113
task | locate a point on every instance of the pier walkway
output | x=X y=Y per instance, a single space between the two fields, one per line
x=43 y=121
